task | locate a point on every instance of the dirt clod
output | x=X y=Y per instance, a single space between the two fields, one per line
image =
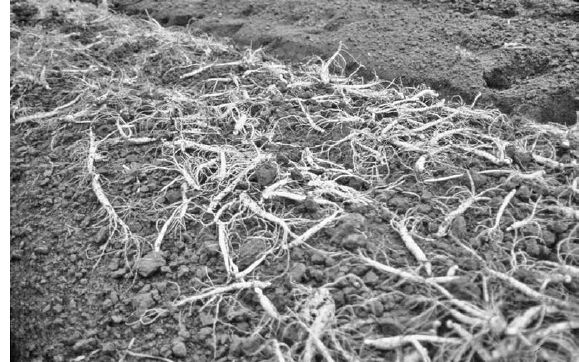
x=179 y=349
x=150 y=263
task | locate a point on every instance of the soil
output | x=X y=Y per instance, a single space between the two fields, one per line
x=521 y=56
x=254 y=210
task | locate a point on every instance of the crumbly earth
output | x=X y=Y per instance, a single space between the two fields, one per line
x=176 y=199
x=521 y=56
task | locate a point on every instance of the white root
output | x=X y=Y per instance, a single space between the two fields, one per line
x=389 y=343
x=114 y=219
x=525 y=289
x=448 y=219
x=470 y=339
x=325 y=315
x=520 y=322
x=222 y=290
x=313 y=230
x=256 y=209
x=223 y=241
x=390 y=270
x=426 y=93
x=267 y=305
x=423 y=352
x=309 y=118
x=186 y=144
x=277 y=351
x=411 y=245
x=269 y=190
x=436 y=138
x=242 y=274
x=229 y=188
x=503 y=207
x=487 y=156
x=462 y=318
x=442 y=179
x=147 y=356
x=552 y=163
x=526 y=221
x=177 y=214
x=43 y=115
x=325 y=68
x=240 y=122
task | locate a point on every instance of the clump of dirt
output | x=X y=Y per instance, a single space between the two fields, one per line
x=21 y=12
x=173 y=198
x=521 y=56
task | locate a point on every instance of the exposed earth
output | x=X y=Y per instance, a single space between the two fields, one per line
x=521 y=56
x=178 y=198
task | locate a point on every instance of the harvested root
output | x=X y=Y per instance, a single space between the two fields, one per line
x=389 y=343
x=222 y=290
x=411 y=245
x=54 y=112
x=528 y=291
x=115 y=220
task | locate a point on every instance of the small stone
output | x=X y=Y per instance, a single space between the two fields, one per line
x=150 y=263
x=330 y=261
x=117 y=319
x=179 y=349
x=354 y=241
x=187 y=238
x=183 y=333
x=205 y=332
x=16 y=255
x=266 y=174
x=376 y=307
x=118 y=274
x=397 y=202
x=317 y=275
x=459 y=228
x=107 y=304
x=58 y=308
x=182 y=271
x=558 y=226
x=109 y=347
x=143 y=302
x=318 y=259
x=298 y=272
x=114 y=297
x=84 y=345
x=42 y=250
x=114 y=264
x=549 y=238
x=102 y=235
x=173 y=196
x=524 y=193
x=160 y=286
x=371 y=278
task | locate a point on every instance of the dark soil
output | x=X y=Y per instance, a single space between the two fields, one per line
x=85 y=286
x=521 y=56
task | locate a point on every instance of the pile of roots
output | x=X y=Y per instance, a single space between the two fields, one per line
x=447 y=232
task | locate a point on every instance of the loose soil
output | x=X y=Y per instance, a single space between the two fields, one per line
x=521 y=56
x=174 y=198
